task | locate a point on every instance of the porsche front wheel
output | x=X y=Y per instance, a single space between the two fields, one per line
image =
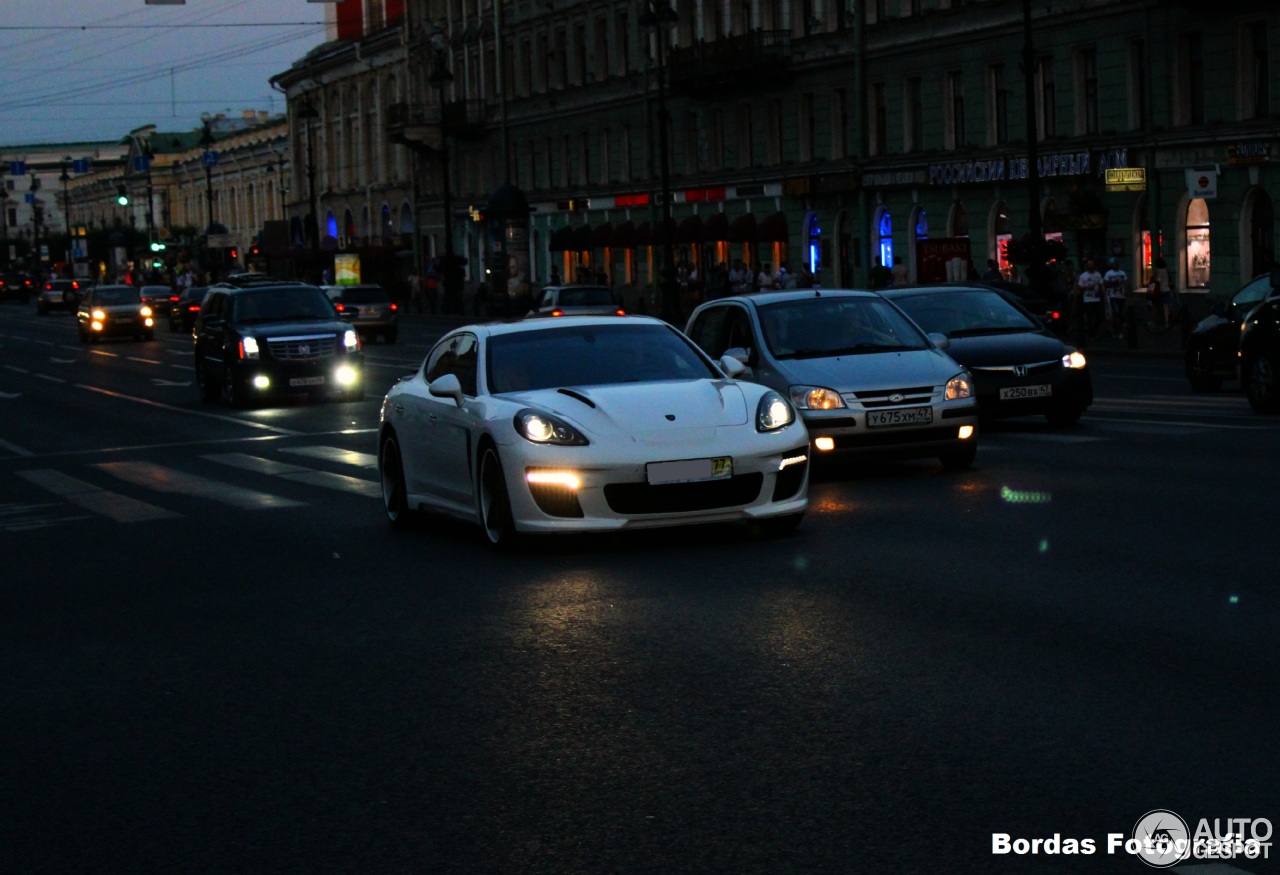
x=495 y=504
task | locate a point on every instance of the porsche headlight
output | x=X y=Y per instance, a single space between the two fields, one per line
x=1074 y=360
x=773 y=412
x=541 y=428
x=815 y=398
x=959 y=386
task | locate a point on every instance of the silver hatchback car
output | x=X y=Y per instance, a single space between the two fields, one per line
x=865 y=378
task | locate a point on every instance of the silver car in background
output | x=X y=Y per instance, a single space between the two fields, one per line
x=866 y=380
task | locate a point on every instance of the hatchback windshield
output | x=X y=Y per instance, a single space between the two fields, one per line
x=281 y=305
x=819 y=327
x=117 y=295
x=965 y=313
x=588 y=297
x=591 y=355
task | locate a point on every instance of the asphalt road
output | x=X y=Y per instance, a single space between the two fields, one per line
x=215 y=655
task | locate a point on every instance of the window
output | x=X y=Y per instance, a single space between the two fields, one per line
x=691 y=128
x=806 y=127
x=602 y=66
x=813 y=250
x=746 y=136
x=584 y=173
x=1138 y=85
x=1197 y=267
x=913 y=127
x=715 y=140
x=954 y=110
x=1087 y=91
x=879 y=121
x=626 y=154
x=1190 y=103
x=581 y=73
x=1255 y=85
x=884 y=230
x=775 y=132
x=997 y=106
x=606 y=169
x=1047 y=108
x=840 y=123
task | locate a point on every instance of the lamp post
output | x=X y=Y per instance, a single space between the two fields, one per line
x=277 y=167
x=65 y=179
x=440 y=77
x=659 y=16
x=208 y=158
x=35 y=222
x=308 y=115
x=147 y=156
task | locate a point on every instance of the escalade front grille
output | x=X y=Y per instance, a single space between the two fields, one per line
x=302 y=348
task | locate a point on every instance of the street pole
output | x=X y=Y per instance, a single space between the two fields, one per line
x=659 y=16
x=308 y=115
x=1034 y=222
x=35 y=225
x=452 y=269
x=65 y=179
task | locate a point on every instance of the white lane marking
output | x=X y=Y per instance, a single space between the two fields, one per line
x=183 y=367
x=15 y=449
x=248 y=423
x=17 y=369
x=168 y=480
x=104 y=352
x=160 y=382
x=10 y=395
x=55 y=361
x=309 y=476
x=49 y=378
x=335 y=454
x=134 y=358
x=1185 y=424
x=120 y=508
x=29 y=517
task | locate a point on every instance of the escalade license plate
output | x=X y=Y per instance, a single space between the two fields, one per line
x=905 y=416
x=1015 y=393
x=307 y=381
x=689 y=470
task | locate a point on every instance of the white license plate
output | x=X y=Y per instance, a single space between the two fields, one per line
x=903 y=416
x=1016 y=393
x=53 y=296
x=689 y=470
x=307 y=381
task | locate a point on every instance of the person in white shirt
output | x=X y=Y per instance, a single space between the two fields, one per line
x=1116 y=284
x=1090 y=285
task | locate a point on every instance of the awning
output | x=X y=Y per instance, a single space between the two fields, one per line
x=602 y=236
x=689 y=230
x=644 y=234
x=581 y=240
x=773 y=229
x=715 y=228
x=561 y=239
x=624 y=235
x=743 y=229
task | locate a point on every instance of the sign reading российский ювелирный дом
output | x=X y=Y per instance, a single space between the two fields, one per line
x=1012 y=167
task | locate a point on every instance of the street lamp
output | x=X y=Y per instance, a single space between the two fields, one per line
x=65 y=179
x=659 y=16
x=35 y=221
x=307 y=115
x=439 y=78
x=147 y=156
x=208 y=158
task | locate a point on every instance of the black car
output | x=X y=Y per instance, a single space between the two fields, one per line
x=1212 y=348
x=1260 y=352
x=111 y=311
x=1019 y=367
x=268 y=340
x=368 y=308
x=183 y=312
x=1040 y=305
x=159 y=298
x=60 y=295
x=16 y=287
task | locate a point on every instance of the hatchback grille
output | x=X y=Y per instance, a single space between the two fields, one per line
x=882 y=397
x=636 y=498
x=302 y=348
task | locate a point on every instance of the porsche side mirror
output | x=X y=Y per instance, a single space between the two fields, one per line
x=446 y=386
x=941 y=341
x=732 y=366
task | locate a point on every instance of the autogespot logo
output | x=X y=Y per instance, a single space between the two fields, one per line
x=1160 y=839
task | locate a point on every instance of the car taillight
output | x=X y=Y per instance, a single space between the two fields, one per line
x=620 y=312
x=339 y=307
x=394 y=307
x=557 y=312
x=193 y=308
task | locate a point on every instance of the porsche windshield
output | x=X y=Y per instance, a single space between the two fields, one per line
x=591 y=355
x=820 y=327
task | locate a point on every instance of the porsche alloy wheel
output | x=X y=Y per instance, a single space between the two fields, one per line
x=495 y=504
x=395 y=496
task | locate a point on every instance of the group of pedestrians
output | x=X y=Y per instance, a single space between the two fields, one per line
x=1101 y=301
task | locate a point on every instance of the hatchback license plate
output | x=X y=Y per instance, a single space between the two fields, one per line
x=307 y=381
x=1016 y=393
x=689 y=470
x=904 y=416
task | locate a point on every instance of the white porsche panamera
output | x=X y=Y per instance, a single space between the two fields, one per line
x=587 y=424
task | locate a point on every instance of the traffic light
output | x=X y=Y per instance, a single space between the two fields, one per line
x=157 y=246
x=122 y=196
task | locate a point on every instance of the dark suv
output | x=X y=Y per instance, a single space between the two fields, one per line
x=269 y=340
x=1260 y=352
x=1214 y=343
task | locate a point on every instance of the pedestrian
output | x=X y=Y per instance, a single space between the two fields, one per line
x=555 y=277
x=993 y=274
x=431 y=292
x=898 y=273
x=880 y=276
x=764 y=278
x=1090 y=284
x=415 y=292
x=1116 y=284
x=738 y=278
x=1163 y=301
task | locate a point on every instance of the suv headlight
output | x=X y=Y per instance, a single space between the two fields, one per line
x=1074 y=360
x=959 y=386
x=773 y=412
x=249 y=348
x=541 y=428
x=815 y=398
x=351 y=340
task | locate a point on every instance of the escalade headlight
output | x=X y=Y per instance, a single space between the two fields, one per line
x=249 y=348
x=959 y=386
x=815 y=398
x=541 y=428
x=1074 y=360
x=773 y=412
x=351 y=340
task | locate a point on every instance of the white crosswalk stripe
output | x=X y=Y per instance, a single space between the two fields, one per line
x=113 y=505
x=164 y=479
x=310 y=476
x=336 y=454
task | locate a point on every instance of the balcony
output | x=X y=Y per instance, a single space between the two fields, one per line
x=744 y=61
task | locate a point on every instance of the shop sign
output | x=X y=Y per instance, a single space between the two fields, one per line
x=1126 y=179
x=1202 y=184
x=886 y=178
x=1249 y=153
x=1016 y=167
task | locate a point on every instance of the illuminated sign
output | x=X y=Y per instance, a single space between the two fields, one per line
x=1126 y=179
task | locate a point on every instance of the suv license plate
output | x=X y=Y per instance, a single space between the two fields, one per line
x=905 y=416
x=1015 y=393
x=307 y=381
x=689 y=470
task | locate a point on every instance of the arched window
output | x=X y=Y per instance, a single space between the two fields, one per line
x=1002 y=233
x=959 y=222
x=813 y=247
x=1197 y=253
x=884 y=230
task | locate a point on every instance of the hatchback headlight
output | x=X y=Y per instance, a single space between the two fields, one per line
x=351 y=340
x=815 y=398
x=540 y=428
x=959 y=386
x=1074 y=360
x=773 y=412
